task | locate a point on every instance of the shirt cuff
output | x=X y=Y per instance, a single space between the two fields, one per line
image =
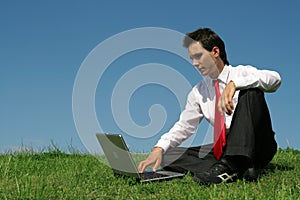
x=163 y=144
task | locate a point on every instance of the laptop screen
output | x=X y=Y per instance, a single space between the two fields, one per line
x=117 y=154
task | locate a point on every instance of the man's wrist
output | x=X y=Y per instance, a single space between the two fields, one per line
x=232 y=82
x=156 y=148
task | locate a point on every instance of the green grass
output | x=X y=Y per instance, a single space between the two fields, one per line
x=56 y=175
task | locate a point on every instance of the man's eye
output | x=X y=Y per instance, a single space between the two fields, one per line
x=197 y=56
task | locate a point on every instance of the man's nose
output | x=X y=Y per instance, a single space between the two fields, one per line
x=195 y=62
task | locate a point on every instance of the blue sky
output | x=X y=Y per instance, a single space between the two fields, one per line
x=44 y=43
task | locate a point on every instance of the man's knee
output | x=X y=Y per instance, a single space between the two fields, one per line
x=252 y=93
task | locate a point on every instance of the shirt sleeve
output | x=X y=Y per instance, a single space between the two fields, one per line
x=251 y=77
x=188 y=122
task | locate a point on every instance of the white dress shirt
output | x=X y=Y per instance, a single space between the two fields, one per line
x=201 y=100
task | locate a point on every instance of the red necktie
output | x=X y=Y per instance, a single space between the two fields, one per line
x=219 y=127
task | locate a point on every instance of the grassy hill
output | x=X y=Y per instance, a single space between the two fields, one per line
x=56 y=175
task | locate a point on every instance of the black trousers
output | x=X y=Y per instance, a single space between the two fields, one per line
x=250 y=135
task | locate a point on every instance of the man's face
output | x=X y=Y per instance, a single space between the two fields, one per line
x=203 y=60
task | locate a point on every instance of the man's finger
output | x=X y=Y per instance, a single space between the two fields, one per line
x=142 y=166
x=221 y=106
x=156 y=166
x=229 y=109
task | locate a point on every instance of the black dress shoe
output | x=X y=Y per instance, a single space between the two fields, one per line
x=218 y=173
x=251 y=174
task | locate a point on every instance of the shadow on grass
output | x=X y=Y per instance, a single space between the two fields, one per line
x=272 y=167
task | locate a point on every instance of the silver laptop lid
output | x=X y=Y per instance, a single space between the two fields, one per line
x=117 y=154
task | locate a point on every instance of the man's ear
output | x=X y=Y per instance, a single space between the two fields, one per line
x=215 y=51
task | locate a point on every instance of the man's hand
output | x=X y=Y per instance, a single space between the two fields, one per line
x=154 y=157
x=225 y=102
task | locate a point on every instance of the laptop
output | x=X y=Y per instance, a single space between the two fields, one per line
x=122 y=163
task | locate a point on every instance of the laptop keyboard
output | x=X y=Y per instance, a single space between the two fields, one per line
x=151 y=175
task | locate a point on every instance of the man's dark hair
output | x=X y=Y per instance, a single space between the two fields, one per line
x=209 y=39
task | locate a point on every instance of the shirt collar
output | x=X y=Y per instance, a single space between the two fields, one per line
x=223 y=76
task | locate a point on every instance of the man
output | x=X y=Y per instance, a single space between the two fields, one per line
x=243 y=135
